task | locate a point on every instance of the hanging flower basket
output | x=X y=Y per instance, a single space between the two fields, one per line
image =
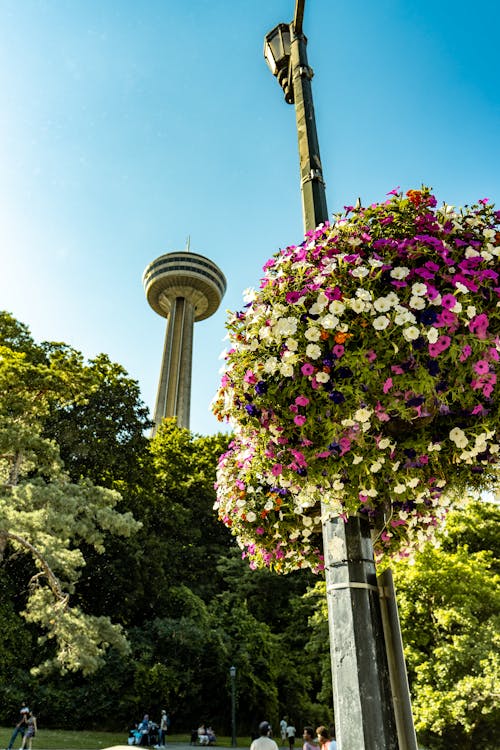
x=363 y=374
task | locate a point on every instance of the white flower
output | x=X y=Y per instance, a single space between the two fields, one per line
x=364 y=294
x=356 y=459
x=461 y=287
x=251 y=517
x=470 y=252
x=270 y=365
x=313 y=351
x=432 y=335
x=292 y=344
x=322 y=377
x=376 y=466
x=419 y=289
x=360 y=271
x=265 y=332
x=382 y=304
x=417 y=303
x=249 y=295
x=412 y=483
x=433 y=447
x=392 y=299
x=411 y=333
x=471 y=311
x=399 y=489
x=384 y=443
x=362 y=415
x=286 y=370
x=381 y=322
x=336 y=307
x=357 y=305
x=329 y=322
x=399 y=273
x=459 y=437
x=405 y=317
x=313 y=334
x=285 y=326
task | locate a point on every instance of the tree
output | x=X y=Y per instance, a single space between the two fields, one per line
x=449 y=605
x=42 y=513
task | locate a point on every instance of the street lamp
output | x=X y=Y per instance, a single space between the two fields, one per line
x=232 y=673
x=364 y=710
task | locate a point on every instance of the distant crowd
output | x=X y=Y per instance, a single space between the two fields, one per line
x=149 y=733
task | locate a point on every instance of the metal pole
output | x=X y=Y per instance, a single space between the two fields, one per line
x=397 y=665
x=312 y=185
x=362 y=700
x=232 y=672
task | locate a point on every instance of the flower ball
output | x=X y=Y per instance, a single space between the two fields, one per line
x=362 y=375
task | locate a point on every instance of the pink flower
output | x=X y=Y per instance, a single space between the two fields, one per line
x=448 y=301
x=307 y=369
x=259 y=530
x=345 y=444
x=301 y=400
x=480 y=367
x=277 y=469
x=493 y=354
x=338 y=350
x=465 y=353
x=371 y=356
x=387 y=385
x=249 y=377
x=299 y=420
x=440 y=346
x=479 y=325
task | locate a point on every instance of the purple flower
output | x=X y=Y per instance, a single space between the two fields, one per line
x=307 y=369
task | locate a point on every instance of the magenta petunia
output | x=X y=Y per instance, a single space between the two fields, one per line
x=307 y=369
x=480 y=367
x=448 y=301
x=302 y=401
x=299 y=420
x=465 y=353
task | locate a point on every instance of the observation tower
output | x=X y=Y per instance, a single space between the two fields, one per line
x=183 y=287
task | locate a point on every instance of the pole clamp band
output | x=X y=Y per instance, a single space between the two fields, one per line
x=351 y=585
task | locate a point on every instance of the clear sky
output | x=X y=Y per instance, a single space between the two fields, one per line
x=127 y=125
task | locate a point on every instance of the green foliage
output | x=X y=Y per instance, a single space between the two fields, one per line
x=42 y=513
x=449 y=604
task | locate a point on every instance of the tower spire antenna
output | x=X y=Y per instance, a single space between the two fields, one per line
x=188 y=243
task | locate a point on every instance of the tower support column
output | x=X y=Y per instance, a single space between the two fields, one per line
x=174 y=387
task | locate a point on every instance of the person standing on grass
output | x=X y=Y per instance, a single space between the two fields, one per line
x=21 y=725
x=290 y=733
x=264 y=741
x=283 y=724
x=30 y=732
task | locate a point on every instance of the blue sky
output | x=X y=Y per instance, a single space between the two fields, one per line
x=126 y=126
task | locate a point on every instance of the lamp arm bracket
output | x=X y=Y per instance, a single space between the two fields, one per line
x=306 y=71
x=314 y=174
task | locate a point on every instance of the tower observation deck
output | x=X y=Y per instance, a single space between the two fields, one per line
x=183 y=287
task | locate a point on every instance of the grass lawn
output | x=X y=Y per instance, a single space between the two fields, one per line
x=63 y=739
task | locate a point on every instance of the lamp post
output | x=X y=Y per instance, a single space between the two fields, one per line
x=364 y=710
x=232 y=673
